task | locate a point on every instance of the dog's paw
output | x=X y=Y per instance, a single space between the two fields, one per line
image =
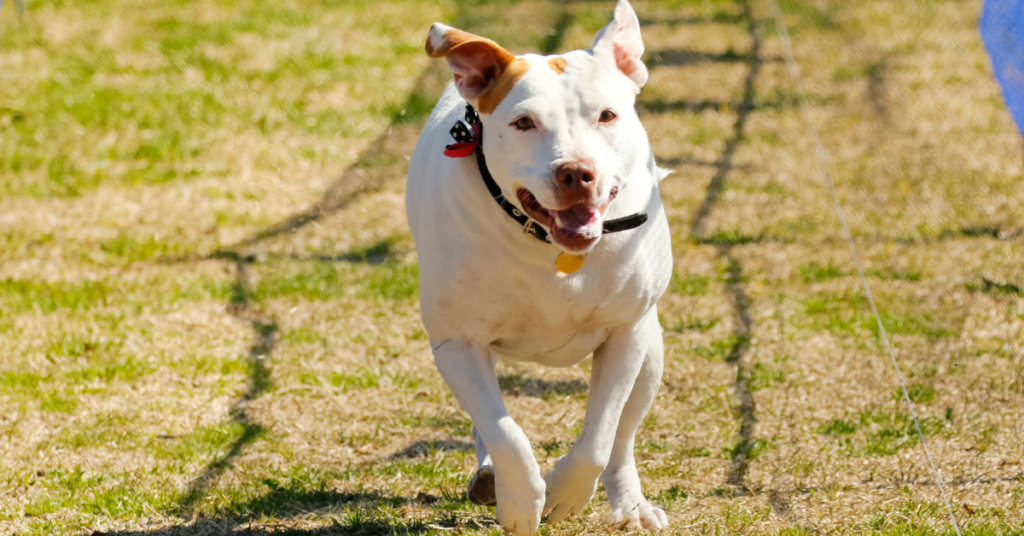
x=481 y=487
x=520 y=499
x=569 y=489
x=637 y=515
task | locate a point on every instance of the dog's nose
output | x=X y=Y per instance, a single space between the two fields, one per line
x=577 y=175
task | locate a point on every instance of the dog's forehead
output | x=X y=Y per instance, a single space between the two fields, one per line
x=571 y=79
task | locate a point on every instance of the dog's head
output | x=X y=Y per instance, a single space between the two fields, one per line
x=560 y=132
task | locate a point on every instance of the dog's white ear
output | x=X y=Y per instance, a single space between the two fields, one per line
x=484 y=71
x=620 y=41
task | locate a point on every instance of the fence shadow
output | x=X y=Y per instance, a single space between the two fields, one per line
x=284 y=503
x=743 y=325
x=426 y=447
x=680 y=58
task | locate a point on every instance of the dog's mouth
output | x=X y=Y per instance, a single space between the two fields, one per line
x=575 y=228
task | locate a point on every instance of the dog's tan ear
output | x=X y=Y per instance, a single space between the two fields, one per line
x=484 y=71
x=621 y=42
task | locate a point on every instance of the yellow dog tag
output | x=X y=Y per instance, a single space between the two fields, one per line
x=568 y=264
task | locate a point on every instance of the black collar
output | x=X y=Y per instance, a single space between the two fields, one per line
x=530 y=226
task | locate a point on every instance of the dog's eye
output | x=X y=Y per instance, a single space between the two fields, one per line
x=524 y=123
x=607 y=116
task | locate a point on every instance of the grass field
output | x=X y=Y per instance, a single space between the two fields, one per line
x=208 y=291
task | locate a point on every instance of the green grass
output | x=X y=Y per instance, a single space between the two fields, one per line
x=689 y=284
x=20 y=295
x=199 y=446
x=179 y=123
x=111 y=497
x=393 y=281
x=690 y=324
x=110 y=431
x=837 y=427
x=457 y=425
x=360 y=378
x=764 y=375
x=128 y=297
x=898 y=275
x=814 y=273
x=144 y=385
x=876 y=432
x=321 y=281
x=720 y=349
x=749 y=448
x=29 y=388
x=133 y=248
x=919 y=393
x=848 y=313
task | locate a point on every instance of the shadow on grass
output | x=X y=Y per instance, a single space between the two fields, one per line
x=373 y=170
x=743 y=110
x=210 y=527
x=554 y=39
x=517 y=385
x=745 y=442
x=336 y=512
x=680 y=58
x=992 y=286
x=381 y=252
x=662 y=106
x=265 y=330
x=720 y=17
x=283 y=502
x=425 y=448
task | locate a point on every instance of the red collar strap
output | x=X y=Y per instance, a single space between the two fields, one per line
x=466 y=138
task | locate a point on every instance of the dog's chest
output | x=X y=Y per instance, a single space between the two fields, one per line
x=554 y=326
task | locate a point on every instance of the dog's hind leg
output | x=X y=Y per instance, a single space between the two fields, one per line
x=481 y=486
x=468 y=369
x=629 y=507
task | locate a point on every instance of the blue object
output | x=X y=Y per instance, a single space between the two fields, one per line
x=1002 y=30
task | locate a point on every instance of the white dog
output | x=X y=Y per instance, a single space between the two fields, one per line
x=513 y=264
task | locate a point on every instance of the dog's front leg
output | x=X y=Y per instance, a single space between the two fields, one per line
x=468 y=369
x=630 y=509
x=617 y=362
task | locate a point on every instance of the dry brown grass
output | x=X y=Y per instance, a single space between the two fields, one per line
x=240 y=350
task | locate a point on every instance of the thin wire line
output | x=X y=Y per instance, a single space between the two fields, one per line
x=822 y=158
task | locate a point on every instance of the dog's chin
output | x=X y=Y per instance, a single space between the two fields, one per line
x=578 y=243
x=575 y=229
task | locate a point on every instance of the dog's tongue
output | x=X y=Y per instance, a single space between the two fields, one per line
x=579 y=220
